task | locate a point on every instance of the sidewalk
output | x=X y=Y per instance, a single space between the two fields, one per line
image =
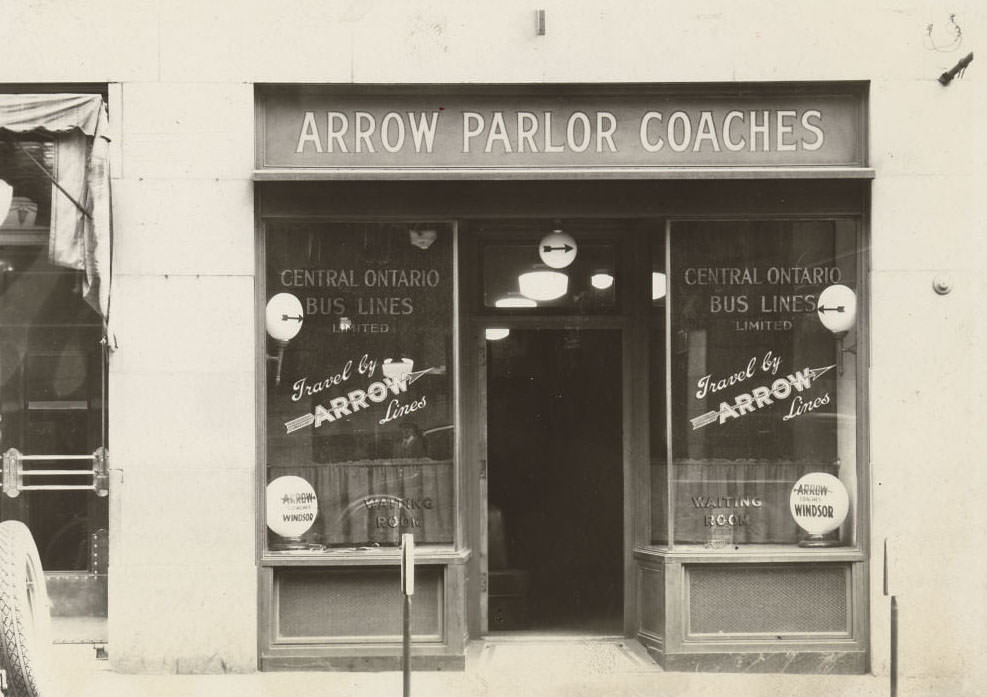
x=569 y=668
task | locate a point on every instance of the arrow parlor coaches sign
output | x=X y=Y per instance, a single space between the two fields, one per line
x=323 y=132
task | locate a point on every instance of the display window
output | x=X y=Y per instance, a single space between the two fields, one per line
x=359 y=408
x=53 y=406
x=760 y=357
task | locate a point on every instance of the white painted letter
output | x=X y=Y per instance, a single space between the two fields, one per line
x=727 y=139
x=679 y=145
x=784 y=129
x=392 y=117
x=706 y=131
x=549 y=146
x=309 y=132
x=606 y=125
x=527 y=127
x=366 y=124
x=334 y=134
x=645 y=143
x=498 y=131
x=570 y=131
x=809 y=126
x=759 y=130
x=423 y=130
x=471 y=131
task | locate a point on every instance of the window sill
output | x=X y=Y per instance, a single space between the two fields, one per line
x=364 y=556
x=742 y=554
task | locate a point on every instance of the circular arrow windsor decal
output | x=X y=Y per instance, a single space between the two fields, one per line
x=291 y=506
x=819 y=503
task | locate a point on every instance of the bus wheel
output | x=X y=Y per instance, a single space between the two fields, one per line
x=25 y=614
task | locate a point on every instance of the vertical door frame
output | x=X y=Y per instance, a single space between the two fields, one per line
x=631 y=320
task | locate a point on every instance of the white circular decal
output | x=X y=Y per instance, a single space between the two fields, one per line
x=291 y=506
x=819 y=503
x=557 y=249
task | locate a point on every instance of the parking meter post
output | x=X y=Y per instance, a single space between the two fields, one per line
x=407 y=589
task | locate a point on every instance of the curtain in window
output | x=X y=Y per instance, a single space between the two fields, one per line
x=80 y=236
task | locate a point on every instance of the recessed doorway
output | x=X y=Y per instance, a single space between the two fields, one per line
x=555 y=483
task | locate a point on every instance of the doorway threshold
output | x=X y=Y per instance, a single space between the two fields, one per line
x=549 y=635
x=568 y=654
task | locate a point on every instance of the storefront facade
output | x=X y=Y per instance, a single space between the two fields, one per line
x=695 y=232
x=730 y=437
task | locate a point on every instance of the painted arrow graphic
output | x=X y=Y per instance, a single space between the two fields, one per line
x=810 y=375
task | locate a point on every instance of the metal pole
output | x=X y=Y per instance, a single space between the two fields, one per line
x=408 y=589
x=407 y=647
x=894 y=646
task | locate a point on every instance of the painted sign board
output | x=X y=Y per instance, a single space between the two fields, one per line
x=650 y=127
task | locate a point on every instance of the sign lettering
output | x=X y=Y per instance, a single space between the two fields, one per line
x=336 y=129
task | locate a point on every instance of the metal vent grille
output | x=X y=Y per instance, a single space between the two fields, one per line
x=768 y=599
x=332 y=605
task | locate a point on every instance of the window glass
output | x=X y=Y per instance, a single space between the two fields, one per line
x=578 y=277
x=360 y=428
x=23 y=166
x=763 y=393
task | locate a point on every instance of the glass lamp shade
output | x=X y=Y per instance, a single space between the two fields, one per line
x=543 y=285
x=284 y=317
x=601 y=281
x=659 y=285
x=515 y=301
x=497 y=333
x=837 y=308
x=6 y=196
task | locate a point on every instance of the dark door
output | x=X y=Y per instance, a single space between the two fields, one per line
x=555 y=491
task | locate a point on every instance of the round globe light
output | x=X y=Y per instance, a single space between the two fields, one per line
x=837 y=308
x=557 y=249
x=601 y=281
x=284 y=317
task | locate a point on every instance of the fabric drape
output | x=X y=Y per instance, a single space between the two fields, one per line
x=371 y=502
x=81 y=233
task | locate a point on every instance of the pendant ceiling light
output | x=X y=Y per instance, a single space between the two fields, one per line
x=515 y=300
x=6 y=196
x=659 y=285
x=543 y=285
x=601 y=280
x=497 y=333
